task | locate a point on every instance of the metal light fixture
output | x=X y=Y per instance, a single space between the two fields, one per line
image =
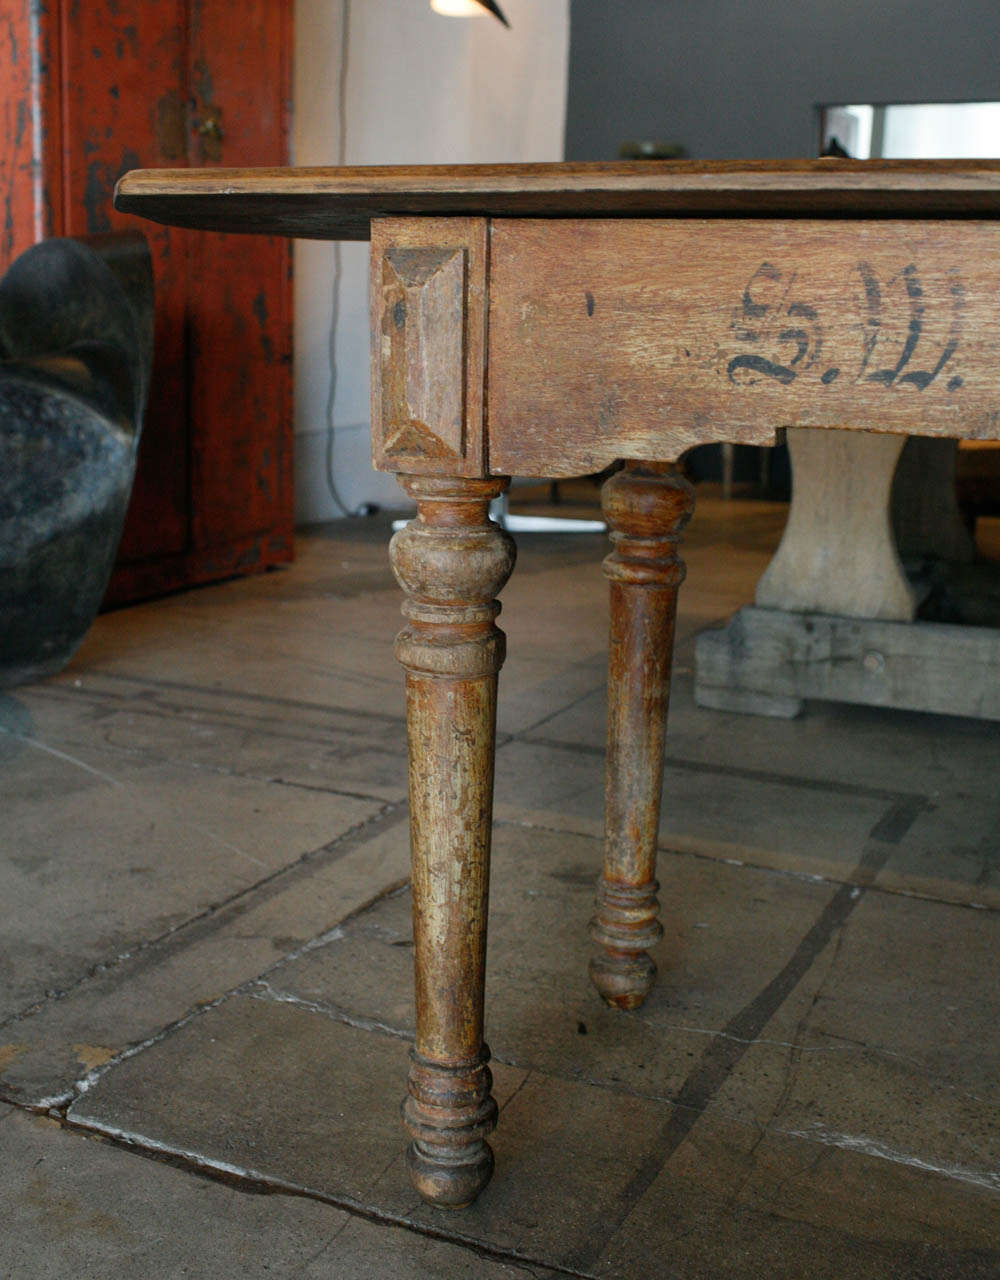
x=468 y=8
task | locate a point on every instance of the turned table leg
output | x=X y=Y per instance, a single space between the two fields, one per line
x=646 y=506
x=451 y=562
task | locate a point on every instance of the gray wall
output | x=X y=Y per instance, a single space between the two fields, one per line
x=742 y=78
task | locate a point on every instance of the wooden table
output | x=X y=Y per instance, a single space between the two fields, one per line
x=549 y=320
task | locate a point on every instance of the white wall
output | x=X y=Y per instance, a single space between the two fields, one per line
x=420 y=89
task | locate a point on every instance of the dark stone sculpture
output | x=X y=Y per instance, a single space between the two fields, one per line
x=76 y=341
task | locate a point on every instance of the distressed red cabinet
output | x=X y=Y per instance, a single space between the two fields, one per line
x=90 y=90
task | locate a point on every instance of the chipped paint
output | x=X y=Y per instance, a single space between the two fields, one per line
x=451 y=562
x=172 y=126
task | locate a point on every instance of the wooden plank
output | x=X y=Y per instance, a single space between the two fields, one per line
x=171 y=83
x=640 y=339
x=769 y=656
x=126 y=104
x=331 y=204
x=31 y=207
x=428 y=294
x=239 y=321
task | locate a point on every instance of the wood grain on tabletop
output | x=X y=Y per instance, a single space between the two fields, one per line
x=325 y=203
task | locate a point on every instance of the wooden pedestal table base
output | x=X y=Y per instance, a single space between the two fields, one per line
x=451 y=562
x=835 y=614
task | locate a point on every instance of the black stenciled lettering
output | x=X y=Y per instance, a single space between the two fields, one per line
x=775 y=322
x=757 y=364
x=873 y=304
x=752 y=309
x=877 y=328
x=916 y=324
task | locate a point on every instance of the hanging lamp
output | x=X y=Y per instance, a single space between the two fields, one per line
x=469 y=8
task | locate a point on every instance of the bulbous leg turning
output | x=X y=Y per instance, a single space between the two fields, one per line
x=451 y=562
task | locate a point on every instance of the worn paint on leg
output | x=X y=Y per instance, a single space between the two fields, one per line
x=647 y=506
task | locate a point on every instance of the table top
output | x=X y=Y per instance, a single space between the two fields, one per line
x=339 y=204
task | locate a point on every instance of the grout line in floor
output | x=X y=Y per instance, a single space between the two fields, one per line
x=767 y=868
x=196 y=927
x=724 y=1054
x=254 y=1182
x=831 y=785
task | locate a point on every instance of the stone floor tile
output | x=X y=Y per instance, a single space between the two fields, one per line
x=867 y=748
x=907 y=752
x=75 y=1207
x=104 y=852
x=918 y=980
x=336 y=652
x=590 y=1179
x=717 y=1200
x=44 y=1055
x=377 y=1251
x=728 y=931
x=793 y=823
x=226 y=731
x=533 y=691
x=786 y=1011
x=276 y=1091
x=293 y=1097
x=896 y=1055
x=952 y=852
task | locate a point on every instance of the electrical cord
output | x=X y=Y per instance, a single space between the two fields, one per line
x=366 y=508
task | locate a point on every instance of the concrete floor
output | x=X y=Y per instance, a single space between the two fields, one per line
x=205 y=976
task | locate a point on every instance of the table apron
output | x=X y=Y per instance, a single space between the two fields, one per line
x=641 y=338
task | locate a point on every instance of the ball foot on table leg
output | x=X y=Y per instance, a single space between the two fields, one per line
x=448 y=1179
x=449 y=1112
x=623 y=980
x=625 y=927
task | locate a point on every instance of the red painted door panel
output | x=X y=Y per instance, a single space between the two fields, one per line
x=115 y=72
x=95 y=89
x=234 y=279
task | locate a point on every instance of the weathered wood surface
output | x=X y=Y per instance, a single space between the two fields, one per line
x=837 y=554
x=31 y=159
x=428 y=294
x=646 y=506
x=451 y=562
x=332 y=204
x=769 y=660
x=613 y=339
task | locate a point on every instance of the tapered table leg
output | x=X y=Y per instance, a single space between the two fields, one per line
x=451 y=562
x=646 y=506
